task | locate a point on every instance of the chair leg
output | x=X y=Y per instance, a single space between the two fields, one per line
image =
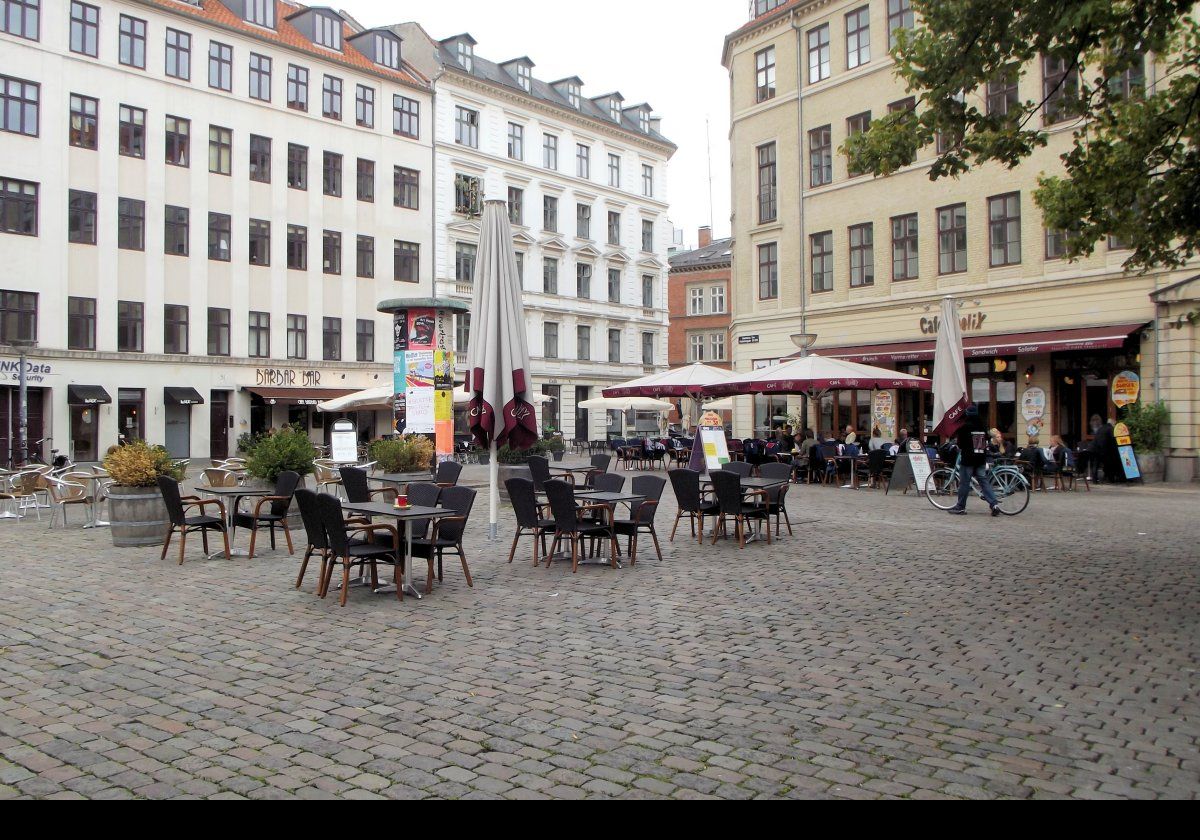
x=462 y=556
x=513 y=551
x=654 y=536
x=182 y=543
x=272 y=536
x=225 y=537
x=253 y=538
x=287 y=535
x=741 y=532
x=788 y=521
x=304 y=566
x=167 y=544
x=574 y=553
x=204 y=540
x=678 y=516
x=345 y=579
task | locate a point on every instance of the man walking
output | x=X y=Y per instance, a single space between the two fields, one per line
x=972 y=442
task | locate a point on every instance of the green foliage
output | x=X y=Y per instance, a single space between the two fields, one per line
x=1147 y=424
x=554 y=443
x=512 y=457
x=287 y=449
x=405 y=454
x=138 y=464
x=1134 y=169
x=248 y=442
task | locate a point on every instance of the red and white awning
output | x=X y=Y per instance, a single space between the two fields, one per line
x=816 y=373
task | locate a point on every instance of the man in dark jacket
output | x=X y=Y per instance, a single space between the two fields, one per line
x=972 y=439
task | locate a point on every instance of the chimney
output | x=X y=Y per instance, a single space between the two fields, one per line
x=705 y=236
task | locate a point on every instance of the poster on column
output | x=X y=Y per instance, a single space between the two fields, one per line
x=400 y=370
x=422 y=328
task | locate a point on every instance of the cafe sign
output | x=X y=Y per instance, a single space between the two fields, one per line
x=971 y=322
x=284 y=378
x=1126 y=388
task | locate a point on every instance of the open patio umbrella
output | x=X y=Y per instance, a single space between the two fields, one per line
x=950 y=397
x=498 y=374
x=626 y=404
x=814 y=374
x=686 y=381
x=372 y=399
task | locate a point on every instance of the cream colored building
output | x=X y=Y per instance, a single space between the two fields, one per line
x=862 y=263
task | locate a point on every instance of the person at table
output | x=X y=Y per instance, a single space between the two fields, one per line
x=901 y=442
x=851 y=437
x=877 y=441
x=1105 y=453
x=998 y=447
x=787 y=441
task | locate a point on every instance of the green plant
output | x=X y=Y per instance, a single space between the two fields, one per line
x=405 y=454
x=515 y=457
x=249 y=441
x=138 y=464
x=287 y=449
x=554 y=444
x=1147 y=424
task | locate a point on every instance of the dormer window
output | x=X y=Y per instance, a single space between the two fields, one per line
x=387 y=52
x=260 y=12
x=525 y=77
x=466 y=56
x=573 y=94
x=644 y=121
x=327 y=32
x=614 y=110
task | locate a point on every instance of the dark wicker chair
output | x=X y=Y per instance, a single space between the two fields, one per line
x=731 y=504
x=447 y=474
x=279 y=501
x=743 y=469
x=539 y=470
x=642 y=516
x=692 y=504
x=608 y=483
x=447 y=534
x=777 y=496
x=530 y=521
x=181 y=523
x=352 y=552
x=570 y=524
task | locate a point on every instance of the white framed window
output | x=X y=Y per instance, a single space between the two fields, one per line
x=697 y=344
x=696 y=300
x=716 y=342
x=717 y=298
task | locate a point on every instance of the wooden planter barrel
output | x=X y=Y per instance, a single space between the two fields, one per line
x=138 y=516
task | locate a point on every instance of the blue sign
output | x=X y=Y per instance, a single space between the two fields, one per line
x=1129 y=463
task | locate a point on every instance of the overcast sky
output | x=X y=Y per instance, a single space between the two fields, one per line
x=665 y=52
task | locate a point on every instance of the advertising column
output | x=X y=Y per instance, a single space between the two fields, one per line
x=424 y=376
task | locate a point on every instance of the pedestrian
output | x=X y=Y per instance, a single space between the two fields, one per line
x=972 y=439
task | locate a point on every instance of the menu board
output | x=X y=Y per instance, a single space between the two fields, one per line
x=1129 y=463
x=716 y=451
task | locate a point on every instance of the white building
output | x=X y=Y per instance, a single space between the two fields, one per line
x=202 y=200
x=586 y=182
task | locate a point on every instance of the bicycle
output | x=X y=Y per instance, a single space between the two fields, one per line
x=1008 y=483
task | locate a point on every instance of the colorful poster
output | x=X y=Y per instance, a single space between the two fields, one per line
x=400 y=331
x=1129 y=463
x=1121 y=433
x=399 y=370
x=1033 y=409
x=419 y=369
x=443 y=370
x=1126 y=388
x=419 y=414
x=883 y=414
x=422 y=329
x=716 y=452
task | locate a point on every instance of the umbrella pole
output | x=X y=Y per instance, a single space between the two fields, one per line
x=494 y=495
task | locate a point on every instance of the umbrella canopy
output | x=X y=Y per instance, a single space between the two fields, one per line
x=950 y=398
x=813 y=374
x=720 y=405
x=372 y=399
x=681 y=382
x=626 y=404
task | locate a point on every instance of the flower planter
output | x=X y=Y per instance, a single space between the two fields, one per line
x=1152 y=466
x=138 y=516
x=558 y=454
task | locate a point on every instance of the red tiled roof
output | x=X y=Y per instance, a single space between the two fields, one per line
x=288 y=36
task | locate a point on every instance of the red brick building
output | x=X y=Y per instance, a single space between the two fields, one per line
x=698 y=300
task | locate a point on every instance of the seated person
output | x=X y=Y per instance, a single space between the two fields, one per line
x=877 y=441
x=851 y=436
x=787 y=442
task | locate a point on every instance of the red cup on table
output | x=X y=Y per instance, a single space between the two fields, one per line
x=402 y=500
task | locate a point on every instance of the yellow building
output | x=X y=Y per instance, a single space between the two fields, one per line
x=860 y=264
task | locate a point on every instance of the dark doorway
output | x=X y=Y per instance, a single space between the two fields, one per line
x=218 y=434
x=131 y=414
x=10 y=410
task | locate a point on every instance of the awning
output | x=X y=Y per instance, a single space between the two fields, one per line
x=299 y=396
x=989 y=346
x=182 y=396
x=87 y=395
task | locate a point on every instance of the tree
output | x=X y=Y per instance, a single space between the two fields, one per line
x=1133 y=171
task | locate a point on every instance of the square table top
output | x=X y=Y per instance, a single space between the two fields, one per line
x=608 y=498
x=386 y=509
x=757 y=483
x=403 y=478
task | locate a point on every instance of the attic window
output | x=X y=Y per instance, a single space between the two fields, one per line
x=466 y=56
x=614 y=110
x=573 y=94
x=525 y=77
x=261 y=12
x=644 y=121
x=387 y=52
x=327 y=32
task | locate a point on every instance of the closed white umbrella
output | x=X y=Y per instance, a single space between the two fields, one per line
x=720 y=405
x=463 y=397
x=950 y=399
x=498 y=374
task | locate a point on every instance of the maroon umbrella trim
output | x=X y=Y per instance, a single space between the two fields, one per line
x=653 y=391
x=803 y=386
x=953 y=419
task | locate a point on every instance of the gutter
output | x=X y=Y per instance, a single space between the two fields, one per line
x=802 y=177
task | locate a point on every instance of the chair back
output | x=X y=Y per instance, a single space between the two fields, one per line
x=739 y=468
x=876 y=460
x=169 y=488
x=539 y=468
x=524 y=501
x=776 y=472
x=727 y=487
x=310 y=515
x=333 y=522
x=601 y=462
x=219 y=477
x=448 y=473
x=424 y=494
x=354 y=480
x=562 y=505
x=323 y=472
x=615 y=445
x=609 y=483
x=651 y=487
x=686 y=484
x=76 y=484
x=460 y=500
x=285 y=486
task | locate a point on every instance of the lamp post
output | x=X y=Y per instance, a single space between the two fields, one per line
x=804 y=341
x=23 y=346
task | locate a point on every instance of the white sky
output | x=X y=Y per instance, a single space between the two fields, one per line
x=665 y=52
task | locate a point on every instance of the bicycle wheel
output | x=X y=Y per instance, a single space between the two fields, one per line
x=941 y=488
x=1012 y=491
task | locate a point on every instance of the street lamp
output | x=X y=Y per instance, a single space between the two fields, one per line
x=804 y=341
x=23 y=347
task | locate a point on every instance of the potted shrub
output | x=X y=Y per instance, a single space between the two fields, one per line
x=404 y=454
x=135 y=506
x=287 y=449
x=484 y=456
x=1147 y=424
x=555 y=446
x=514 y=463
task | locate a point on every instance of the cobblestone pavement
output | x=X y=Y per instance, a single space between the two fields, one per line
x=885 y=650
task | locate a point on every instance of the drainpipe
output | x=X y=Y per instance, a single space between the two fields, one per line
x=804 y=401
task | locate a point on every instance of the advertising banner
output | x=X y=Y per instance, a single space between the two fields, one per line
x=1126 y=388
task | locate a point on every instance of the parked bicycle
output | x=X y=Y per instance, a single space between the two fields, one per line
x=1008 y=483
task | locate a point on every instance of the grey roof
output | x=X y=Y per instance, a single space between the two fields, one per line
x=714 y=255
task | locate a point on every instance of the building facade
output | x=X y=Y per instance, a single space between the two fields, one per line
x=698 y=303
x=586 y=184
x=200 y=212
x=859 y=264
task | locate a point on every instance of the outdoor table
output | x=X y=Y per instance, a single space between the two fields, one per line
x=407 y=514
x=853 y=460
x=570 y=471
x=610 y=501
x=236 y=494
x=94 y=508
x=398 y=480
x=752 y=484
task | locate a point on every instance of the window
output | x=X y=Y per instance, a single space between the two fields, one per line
x=1001 y=96
x=175 y=330
x=583 y=161
x=19 y=106
x=218 y=331
x=768 y=271
x=297 y=167
x=550 y=213
x=84 y=132
x=858 y=37
x=462 y=333
x=821 y=252
x=220 y=150
x=516 y=205
x=331 y=98
x=764 y=74
x=364 y=257
x=364 y=106
x=857 y=124
x=647 y=180
x=549 y=275
x=18 y=316
x=407 y=257
x=697 y=344
x=327 y=31
x=1060 y=87
x=18 y=207
x=260 y=242
x=952 y=239
x=905 y=263
x=466 y=127
x=178 y=141
x=647 y=236
x=260 y=159
x=583 y=221
x=614 y=285
x=572 y=89
x=132 y=51
x=81 y=323
x=131 y=224
x=179 y=55
x=331 y=339
x=550 y=340
x=583 y=343
x=1130 y=83
x=768 y=209
x=614 y=346
x=176 y=225
x=331 y=252
x=648 y=341
x=717 y=294
x=331 y=174
x=583 y=281
x=260 y=77
x=366 y=180
x=1004 y=226
x=717 y=343
x=406 y=117
x=1056 y=244
x=297 y=336
x=649 y=300
x=466 y=55
x=696 y=301
x=614 y=170
x=297 y=88
x=261 y=12
x=614 y=227
x=81 y=217
x=220 y=66
x=468 y=195
x=818 y=54
x=862 y=255
x=260 y=335
x=406 y=188
x=129 y=326
x=132 y=136
x=900 y=16
x=85 y=28
x=220 y=232
x=364 y=340
x=525 y=77
x=387 y=51
x=297 y=247
x=516 y=141
x=550 y=152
